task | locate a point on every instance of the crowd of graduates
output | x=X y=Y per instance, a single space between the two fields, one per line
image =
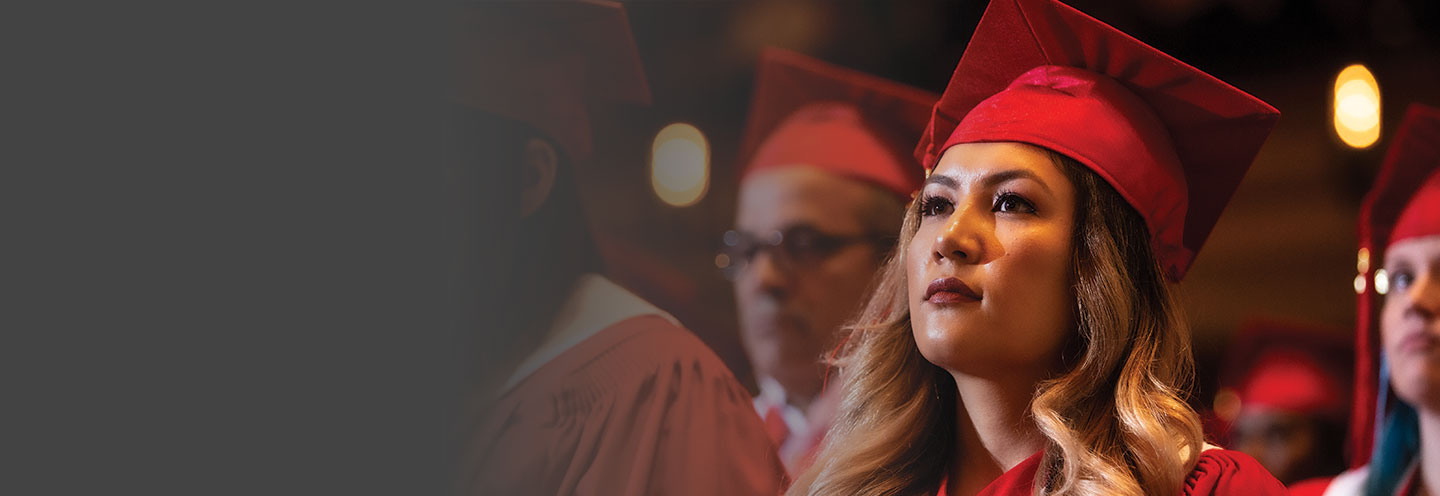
x=970 y=292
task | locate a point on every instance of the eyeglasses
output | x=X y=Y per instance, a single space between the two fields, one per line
x=794 y=247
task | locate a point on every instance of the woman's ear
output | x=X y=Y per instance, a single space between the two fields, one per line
x=538 y=175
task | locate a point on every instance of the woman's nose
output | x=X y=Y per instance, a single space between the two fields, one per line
x=962 y=238
x=1424 y=294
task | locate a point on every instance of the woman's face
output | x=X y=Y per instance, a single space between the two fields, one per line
x=1410 y=320
x=989 y=269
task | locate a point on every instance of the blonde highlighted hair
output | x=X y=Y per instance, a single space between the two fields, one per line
x=1115 y=418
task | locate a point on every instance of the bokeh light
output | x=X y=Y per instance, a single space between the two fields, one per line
x=1357 y=107
x=680 y=165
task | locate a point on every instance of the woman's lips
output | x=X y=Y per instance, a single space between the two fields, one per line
x=950 y=290
x=1419 y=341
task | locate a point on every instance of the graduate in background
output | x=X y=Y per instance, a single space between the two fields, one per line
x=827 y=175
x=1395 y=429
x=1288 y=392
x=581 y=387
x=1026 y=338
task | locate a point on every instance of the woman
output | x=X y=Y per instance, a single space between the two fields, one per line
x=1025 y=338
x=1398 y=388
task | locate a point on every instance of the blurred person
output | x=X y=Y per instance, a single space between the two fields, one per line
x=1026 y=338
x=1285 y=396
x=580 y=387
x=1395 y=429
x=822 y=195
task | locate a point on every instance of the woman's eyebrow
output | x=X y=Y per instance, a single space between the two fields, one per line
x=991 y=180
x=946 y=181
x=1005 y=176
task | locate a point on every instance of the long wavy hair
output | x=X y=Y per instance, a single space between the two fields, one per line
x=1115 y=418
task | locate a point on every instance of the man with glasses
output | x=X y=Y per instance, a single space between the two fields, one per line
x=828 y=172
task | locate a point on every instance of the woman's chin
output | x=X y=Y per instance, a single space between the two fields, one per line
x=1420 y=388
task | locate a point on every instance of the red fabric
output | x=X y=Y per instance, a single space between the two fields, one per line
x=547 y=64
x=1292 y=381
x=1413 y=155
x=1020 y=479
x=808 y=112
x=642 y=407
x=1217 y=472
x=1422 y=217
x=1294 y=366
x=1222 y=471
x=798 y=448
x=775 y=426
x=1174 y=141
x=1311 y=487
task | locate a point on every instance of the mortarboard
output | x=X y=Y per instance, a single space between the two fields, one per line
x=1172 y=140
x=547 y=64
x=808 y=112
x=1289 y=366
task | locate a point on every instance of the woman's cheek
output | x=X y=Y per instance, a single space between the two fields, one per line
x=916 y=257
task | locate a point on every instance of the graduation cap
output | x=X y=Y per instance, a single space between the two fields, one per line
x=1403 y=203
x=1289 y=366
x=1172 y=140
x=808 y=112
x=548 y=64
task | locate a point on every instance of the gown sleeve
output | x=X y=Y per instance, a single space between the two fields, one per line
x=1224 y=472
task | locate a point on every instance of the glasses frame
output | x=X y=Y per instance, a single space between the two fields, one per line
x=793 y=247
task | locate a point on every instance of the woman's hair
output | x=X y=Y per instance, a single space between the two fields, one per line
x=1115 y=418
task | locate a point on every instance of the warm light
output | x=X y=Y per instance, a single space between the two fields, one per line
x=1227 y=404
x=1362 y=261
x=1382 y=281
x=1357 y=107
x=1360 y=284
x=680 y=165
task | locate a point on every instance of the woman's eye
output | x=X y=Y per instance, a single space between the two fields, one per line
x=1400 y=280
x=1013 y=203
x=932 y=206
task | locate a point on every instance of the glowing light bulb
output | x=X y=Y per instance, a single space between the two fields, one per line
x=680 y=165
x=1357 y=107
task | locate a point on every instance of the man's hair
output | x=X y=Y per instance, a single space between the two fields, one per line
x=509 y=269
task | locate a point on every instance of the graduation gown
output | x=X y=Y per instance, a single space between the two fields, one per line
x=1352 y=483
x=622 y=400
x=1218 y=472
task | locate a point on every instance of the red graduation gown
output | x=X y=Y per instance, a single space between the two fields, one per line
x=1352 y=483
x=1218 y=472
x=641 y=407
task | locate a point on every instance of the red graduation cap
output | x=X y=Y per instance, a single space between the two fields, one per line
x=808 y=112
x=1404 y=202
x=1422 y=217
x=1174 y=141
x=547 y=64
x=1290 y=366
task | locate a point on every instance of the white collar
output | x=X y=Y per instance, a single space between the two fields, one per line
x=594 y=304
x=1349 y=482
x=772 y=394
